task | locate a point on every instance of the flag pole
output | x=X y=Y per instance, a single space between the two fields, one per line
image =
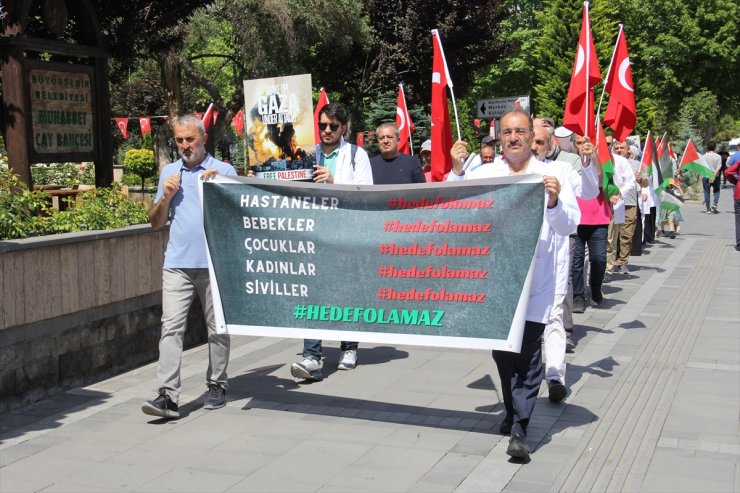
x=406 y=116
x=587 y=71
x=609 y=71
x=449 y=83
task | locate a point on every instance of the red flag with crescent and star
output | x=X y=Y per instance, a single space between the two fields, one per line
x=323 y=101
x=621 y=113
x=404 y=123
x=122 y=124
x=238 y=122
x=208 y=117
x=441 y=134
x=146 y=125
x=579 y=107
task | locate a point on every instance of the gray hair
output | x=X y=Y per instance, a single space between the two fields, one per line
x=185 y=120
x=550 y=132
x=389 y=125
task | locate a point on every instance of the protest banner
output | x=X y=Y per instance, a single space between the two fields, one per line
x=279 y=127
x=426 y=265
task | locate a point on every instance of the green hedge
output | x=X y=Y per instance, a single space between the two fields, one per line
x=29 y=213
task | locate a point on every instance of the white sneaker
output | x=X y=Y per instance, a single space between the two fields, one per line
x=308 y=369
x=348 y=360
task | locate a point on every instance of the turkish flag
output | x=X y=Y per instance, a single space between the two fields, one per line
x=122 y=124
x=208 y=117
x=621 y=113
x=146 y=125
x=238 y=122
x=579 y=107
x=404 y=123
x=323 y=101
x=441 y=132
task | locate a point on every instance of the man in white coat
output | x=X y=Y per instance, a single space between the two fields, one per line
x=585 y=183
x=521 y=373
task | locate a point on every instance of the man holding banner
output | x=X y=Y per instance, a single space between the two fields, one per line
x=521 y=373
x=342 y=163
x=185 y=271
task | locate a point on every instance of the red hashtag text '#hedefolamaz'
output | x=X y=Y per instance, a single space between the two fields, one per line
x=439 y=202
x=434 y=226
x=430 y=294
x=431 y=272
x=433 y=249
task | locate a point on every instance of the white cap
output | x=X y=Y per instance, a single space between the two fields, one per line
x=562 y=136
x=426 y=146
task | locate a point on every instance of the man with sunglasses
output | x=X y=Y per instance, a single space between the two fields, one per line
x=185 y=271
x=345 y=164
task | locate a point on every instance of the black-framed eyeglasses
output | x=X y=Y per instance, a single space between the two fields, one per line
x=333 y=126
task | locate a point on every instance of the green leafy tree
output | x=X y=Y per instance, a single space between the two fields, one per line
x=560 y=22
x=698 y=116
x=519 y=32
x=141 y=163
x=678 y=48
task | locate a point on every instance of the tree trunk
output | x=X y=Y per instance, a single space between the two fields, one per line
x=169 y=66
x=162 y=154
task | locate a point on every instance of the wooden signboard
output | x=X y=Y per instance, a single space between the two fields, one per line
x=60 y=102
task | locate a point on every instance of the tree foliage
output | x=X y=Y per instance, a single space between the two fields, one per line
x=698 y=115
x=560 y=22
x=141 y=163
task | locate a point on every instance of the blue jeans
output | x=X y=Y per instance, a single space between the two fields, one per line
x=312 y=348
x=714 y=184
x=596 y=239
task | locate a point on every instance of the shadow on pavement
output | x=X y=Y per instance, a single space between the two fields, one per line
x=572 y=416
x=602 y=368
x=267 y=391
x=38 y=416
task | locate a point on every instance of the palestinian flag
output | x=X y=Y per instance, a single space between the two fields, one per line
x=646 y=164
x=665 y=164
x=692 y=162
x=607 y=164
x=658 y=182
x=669 y=201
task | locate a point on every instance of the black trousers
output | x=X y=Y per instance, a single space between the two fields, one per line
x=650 y=225
x=521 y=375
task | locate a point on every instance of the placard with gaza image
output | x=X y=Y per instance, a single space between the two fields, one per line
x=279 y=127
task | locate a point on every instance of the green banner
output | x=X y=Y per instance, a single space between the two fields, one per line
x=436 y=264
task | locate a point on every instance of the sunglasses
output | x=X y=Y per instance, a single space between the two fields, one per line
x=332 y=126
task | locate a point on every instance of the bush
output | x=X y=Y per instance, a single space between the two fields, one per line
x=131 y=180
x=101 y=208
x=26 y=213
x=141 y=163
x=20 y=208
x=63 y=174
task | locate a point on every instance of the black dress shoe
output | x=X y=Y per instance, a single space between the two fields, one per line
x=570 y=345
x=505 y=428
x=579 y=305
x=518 y=448
x=556 y=391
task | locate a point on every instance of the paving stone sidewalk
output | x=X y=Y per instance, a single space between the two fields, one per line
x=653 y=406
